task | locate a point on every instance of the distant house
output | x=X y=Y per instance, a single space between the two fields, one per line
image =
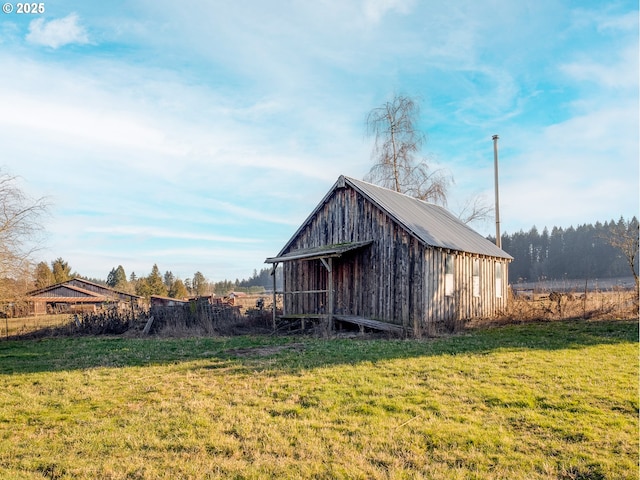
x=232 y=298
x=210 y=299
x=77 y=295
x=372 y=256
x=159 y=301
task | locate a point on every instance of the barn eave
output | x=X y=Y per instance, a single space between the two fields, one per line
x=315 y=253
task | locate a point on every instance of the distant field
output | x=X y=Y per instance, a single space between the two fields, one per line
x=21 y=325
x=577 y=285
x=554 y=400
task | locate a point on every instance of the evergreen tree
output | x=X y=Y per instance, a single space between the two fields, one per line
x=557 y=262
x=178 y=290
x=258 y=279
x=199 y=284
x=44 y=275
x=111 y=278
x=581 y=252
x=223 y=287
x=155 y=284
x=117 y=278
x=168 y=279
x=61 y=270
x=142 y=288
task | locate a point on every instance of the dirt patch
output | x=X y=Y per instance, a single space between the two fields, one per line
x=263 y=351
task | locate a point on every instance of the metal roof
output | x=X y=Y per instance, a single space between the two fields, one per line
x=57 y=291
x=93 y=289
x=431 y=223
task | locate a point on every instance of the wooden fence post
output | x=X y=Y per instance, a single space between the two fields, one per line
x=147 y=327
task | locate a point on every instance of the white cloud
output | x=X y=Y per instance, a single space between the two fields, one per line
x=584 y=168
x=57 y=33
x=605 y=19
x=9 y=32
x=164 y=233
x=374 y=10
x=627 y=22
x=621 y=71
x=81 y=124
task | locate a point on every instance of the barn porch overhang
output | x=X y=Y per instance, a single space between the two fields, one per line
x=319 y=253
x=326 y=254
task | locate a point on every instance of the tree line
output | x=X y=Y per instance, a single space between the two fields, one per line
x=600 y=250
x=155 y=283
x=603 y=250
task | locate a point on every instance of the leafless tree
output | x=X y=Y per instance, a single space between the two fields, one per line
x=397 y=164
x=19 y=227
x=397 y=144
x=624 y=236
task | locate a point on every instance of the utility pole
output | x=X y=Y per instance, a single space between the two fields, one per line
x=495 y=167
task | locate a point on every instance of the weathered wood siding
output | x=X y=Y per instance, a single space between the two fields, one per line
x=382 y=281
x=396 y=279
x=463 y=303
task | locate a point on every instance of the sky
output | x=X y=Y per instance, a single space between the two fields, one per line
x=199 y=135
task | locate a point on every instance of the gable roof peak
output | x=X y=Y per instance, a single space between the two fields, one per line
x=431 y=224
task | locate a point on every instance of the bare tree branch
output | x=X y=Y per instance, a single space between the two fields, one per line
x=475 y=209
x=19 y=227
x=396 y=145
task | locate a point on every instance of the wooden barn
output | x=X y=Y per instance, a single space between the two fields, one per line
x=78 y=295
x=160 y=301
x=374 y=257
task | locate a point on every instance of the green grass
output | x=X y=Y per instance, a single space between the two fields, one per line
x=547 y=400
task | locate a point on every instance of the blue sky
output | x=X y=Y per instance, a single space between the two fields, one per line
x=199 y=135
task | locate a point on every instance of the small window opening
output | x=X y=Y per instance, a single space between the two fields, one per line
x=448 y=275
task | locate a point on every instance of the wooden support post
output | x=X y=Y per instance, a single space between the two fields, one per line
x=273 y=316
x=273 y=273
x=330 y=300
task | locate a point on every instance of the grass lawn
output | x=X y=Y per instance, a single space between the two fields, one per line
x=545 y=400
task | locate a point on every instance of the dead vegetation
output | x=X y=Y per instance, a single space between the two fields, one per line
x=205 y=319
x=197 y=318
x=540 y=305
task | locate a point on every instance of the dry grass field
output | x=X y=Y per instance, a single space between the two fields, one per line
x=23 y=325
x=524 y=307
x=607 y=304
